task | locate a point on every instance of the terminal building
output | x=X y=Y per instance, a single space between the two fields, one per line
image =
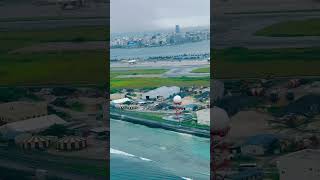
x=163 y=92
x=21 y=110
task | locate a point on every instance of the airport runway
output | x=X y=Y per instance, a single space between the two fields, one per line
x=175 y=68
x=25 y=15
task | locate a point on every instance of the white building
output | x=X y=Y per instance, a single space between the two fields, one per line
x=304 y=164
x=120 y=101
x=203 y=117
x=33 y=125
x=116 y=96
x=161 y=92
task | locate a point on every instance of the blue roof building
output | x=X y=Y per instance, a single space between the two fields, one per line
x=260 y=144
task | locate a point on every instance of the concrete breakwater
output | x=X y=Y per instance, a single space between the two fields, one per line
x=154 y=124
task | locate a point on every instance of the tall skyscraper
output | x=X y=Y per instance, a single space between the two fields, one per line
x=177 y=29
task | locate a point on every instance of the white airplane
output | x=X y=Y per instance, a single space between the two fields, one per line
x=133 y=61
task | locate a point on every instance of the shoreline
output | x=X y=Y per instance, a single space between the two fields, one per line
x=154 y=124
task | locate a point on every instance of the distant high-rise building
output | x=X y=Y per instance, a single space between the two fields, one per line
x=177 y=29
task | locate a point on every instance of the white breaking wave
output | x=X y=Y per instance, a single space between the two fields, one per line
x=118 y=152
x=185 y=134
x=145 y=159
x=114 y=151
x=186 y=178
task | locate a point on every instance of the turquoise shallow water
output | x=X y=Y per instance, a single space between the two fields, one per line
x=139 y=152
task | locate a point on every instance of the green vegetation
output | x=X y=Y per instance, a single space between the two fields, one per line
x=46 y=18
x=54 y=68
x=243 y=159
x=201 y=70
x=88 y=169
x=154 y=116
x=8 y=94
x=307 y=27
x=77 y=106
x=115 y=73
x=17 y=39
x=68 y=67
x=275 y=11
x=145 y=115
x=117 y=83
x=57 y=130
x=194 y=124
x=7 y=173
x=263 y=63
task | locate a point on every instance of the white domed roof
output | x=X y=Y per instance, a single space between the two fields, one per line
x=177 y=99
x=220 y=119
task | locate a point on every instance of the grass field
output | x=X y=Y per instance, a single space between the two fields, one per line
x=118 y=83
x=201 y=70
x=67 y=67
x=159 y=117
x=244 y=63
x=11 y=40
x=88 y=169
x=307 y=27
x=53 y=68
x=115 y=73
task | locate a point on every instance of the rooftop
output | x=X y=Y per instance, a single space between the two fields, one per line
x=34 y=124
x=262 y=139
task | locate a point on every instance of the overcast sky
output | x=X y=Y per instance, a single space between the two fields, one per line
x=146 y=15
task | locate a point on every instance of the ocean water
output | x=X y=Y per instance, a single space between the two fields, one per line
x=139 y=152
x=188 y=48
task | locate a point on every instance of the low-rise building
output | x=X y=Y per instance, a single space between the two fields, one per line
x=33 y=125
x=116 y=96
x=21 y=110
x=260 y=145
x=191 y=107
x=163 y=92
x=304 y=164
x=120 y=101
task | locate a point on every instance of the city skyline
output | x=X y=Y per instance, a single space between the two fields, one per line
x=144 y=15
